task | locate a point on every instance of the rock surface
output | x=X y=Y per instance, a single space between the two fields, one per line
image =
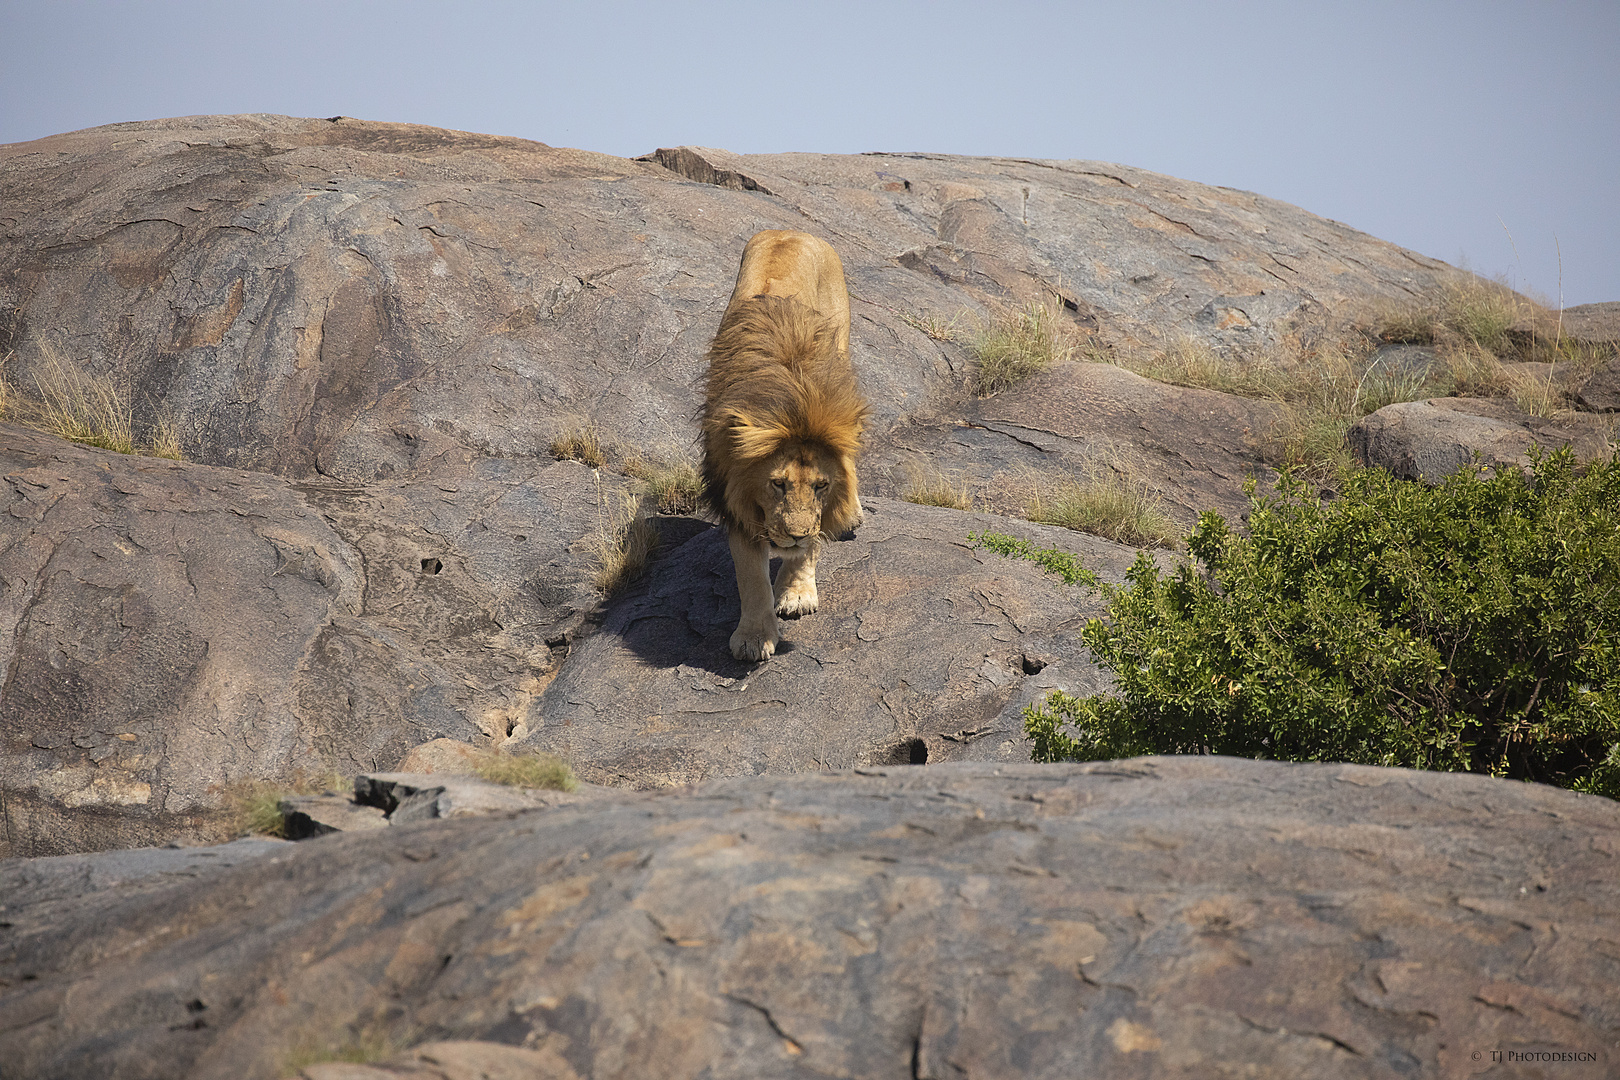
x=1596 y=324
x=367 y=335
x=1155 y=917
x=924 y=649
x=369 y=301
x=1191 y=449
x=1432 y=439
x=1601 y=392
x=168 y=629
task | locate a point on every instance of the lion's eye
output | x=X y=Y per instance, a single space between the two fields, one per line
x=820 y=485
x=780 y=486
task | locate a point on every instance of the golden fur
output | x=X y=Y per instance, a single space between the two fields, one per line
x=782 y=424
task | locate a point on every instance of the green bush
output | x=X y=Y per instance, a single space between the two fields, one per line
x=1471 y=626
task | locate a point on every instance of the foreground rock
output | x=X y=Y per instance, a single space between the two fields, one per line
x=924 y=649
x=1157 y=917
x=169 y=629
x=1430 y=440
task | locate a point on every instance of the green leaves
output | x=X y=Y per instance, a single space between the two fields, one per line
x=1471 y=626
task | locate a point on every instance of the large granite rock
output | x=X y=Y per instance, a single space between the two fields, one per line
x=168 y=629
x=1147 y=918
x=1430 y=440
x=375 y=330
x=368 y=301
x=924 y=649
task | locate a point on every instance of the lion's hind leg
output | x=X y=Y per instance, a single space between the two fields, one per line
x=757 y=631
x=796 y=583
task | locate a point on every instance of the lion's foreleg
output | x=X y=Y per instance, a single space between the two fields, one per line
x=796 y=582
x=757 y=632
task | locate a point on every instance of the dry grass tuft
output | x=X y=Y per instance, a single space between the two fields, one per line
x=676 y=487
x=579 y=443
x=165 y=442
x=624 y=542
x=930 y=487
x=72 y=404
x=345 y=1047
x=254 y=806
x=1487 y=335
x=545 y=771
x=1324 y=387
x=1113 y=504
x=1018 y=343
x=933 y=326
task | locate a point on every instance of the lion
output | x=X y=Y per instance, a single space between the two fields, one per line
x=782 y=425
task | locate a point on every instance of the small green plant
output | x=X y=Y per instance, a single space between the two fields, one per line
x=675 y=487
x=1065 y=564
x=1470 y=626
x=1016 y=344
x=930 y=487
x=1112 y=504
x=580 y=443
x=545 y=771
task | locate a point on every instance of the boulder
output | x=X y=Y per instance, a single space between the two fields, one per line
x=169 y=629
x=1430 y=440
x=1153 y=917
x=924 y=649
x=408 y=797
x=1592 y=324
x=1601 y=392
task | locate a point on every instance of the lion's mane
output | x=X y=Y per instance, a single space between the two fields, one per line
x=777 y=375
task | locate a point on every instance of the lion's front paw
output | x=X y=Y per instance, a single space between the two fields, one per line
x=755 y=644
x=798 y=600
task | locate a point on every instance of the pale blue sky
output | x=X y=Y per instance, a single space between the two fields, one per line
x=1442 y=126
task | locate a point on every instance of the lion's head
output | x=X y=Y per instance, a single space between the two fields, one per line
x=782 y=423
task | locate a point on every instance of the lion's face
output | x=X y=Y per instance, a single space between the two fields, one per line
x=799 y=482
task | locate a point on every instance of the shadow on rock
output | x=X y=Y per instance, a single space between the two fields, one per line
x=924 y=649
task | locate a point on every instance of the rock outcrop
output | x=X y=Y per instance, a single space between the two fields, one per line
x=1154 y=917
x=168 y=629
x=369 y=301
x=1430 y=440
x=367 y=335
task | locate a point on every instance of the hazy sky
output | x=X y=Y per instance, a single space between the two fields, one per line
x=1484 y=132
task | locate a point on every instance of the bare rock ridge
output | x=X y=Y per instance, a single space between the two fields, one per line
x=1154 y=917
x=367 y=301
